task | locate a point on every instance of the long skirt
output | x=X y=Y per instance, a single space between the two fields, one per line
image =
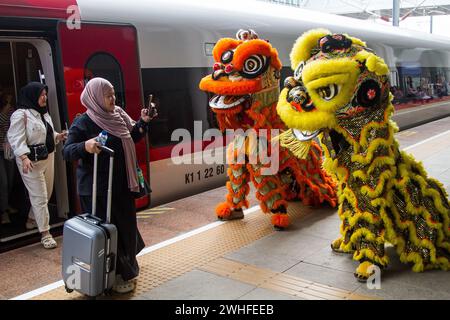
x=123 y=216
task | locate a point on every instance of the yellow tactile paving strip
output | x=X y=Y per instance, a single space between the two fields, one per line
x=183 y=256
x=153 y=211
x=169 y=262
x=281 y=282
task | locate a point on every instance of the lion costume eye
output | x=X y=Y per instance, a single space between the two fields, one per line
x=329 y=92
x=254 y=66
x=227 y=56
x=298 y=71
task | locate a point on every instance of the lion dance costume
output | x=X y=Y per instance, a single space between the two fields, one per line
x=340 y=92
x=245 y=85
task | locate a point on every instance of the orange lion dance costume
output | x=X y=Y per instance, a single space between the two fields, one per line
x=245 y=84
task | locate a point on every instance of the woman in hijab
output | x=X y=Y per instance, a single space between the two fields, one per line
x=102 y=114
x=32 y=137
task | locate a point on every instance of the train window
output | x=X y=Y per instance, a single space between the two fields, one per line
x=106 y=66
x=393 y=78
x=179 y=101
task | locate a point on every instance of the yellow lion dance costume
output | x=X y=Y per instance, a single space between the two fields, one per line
x=245 y=84
x=340 y=92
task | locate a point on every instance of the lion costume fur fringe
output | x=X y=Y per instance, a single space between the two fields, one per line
x=340 y=91
x=245 y=88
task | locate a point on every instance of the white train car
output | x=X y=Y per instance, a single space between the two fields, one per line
x=164 y=48
x=175 y=42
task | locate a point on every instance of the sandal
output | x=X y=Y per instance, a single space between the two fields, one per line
x=48 y=242
x=122 y=286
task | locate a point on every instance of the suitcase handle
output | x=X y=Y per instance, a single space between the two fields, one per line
x=108 y=150
x=94 y=185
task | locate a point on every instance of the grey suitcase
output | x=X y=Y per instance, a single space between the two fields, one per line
x=90 y=246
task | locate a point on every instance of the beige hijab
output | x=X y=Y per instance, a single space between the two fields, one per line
x=117 y=123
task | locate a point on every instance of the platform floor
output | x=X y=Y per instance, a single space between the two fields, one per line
x=191 y=255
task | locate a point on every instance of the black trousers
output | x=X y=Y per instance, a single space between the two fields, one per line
x=123 y=216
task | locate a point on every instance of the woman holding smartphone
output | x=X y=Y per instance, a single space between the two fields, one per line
x=102 y=114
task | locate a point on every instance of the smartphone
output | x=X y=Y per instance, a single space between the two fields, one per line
x=151 y=107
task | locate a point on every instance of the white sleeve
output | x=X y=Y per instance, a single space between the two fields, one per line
x=55 y=134
x=17 y=133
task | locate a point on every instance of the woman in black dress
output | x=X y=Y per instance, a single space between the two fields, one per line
x=102 y=114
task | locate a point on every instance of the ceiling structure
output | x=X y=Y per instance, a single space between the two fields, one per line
x=372 y=9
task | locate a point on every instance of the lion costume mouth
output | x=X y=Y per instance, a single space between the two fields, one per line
x=304 y=135
x=223 y=102
x=232 y=110
x=332 y=140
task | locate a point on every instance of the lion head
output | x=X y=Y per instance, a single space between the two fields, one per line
x=339 y=86
x=243 y=68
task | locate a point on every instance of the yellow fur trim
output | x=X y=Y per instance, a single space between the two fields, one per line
x=378 y=125
x=308 y=120
x=342 y=72
x=377 y=172
x=356 y=41
x=300 y=149
x=369 y=254
x=373 y=62
x=304 y=44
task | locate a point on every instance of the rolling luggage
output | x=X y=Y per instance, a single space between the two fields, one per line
x=90 y=246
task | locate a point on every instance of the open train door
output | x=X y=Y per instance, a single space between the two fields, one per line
x=108 y=51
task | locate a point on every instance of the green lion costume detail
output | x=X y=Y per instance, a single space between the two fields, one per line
x=340 y=93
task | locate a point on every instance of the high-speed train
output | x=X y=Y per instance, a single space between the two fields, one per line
x=164 y=48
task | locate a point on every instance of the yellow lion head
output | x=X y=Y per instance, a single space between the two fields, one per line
x=339 y=86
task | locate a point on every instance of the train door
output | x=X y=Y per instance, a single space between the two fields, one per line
x=108 y=51
x=23 y=60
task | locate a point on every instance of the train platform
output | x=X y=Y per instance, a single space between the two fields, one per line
x=192 y=256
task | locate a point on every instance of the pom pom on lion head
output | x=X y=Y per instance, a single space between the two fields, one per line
x=338 y=87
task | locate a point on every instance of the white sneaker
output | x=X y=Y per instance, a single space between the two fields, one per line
x=122 y=286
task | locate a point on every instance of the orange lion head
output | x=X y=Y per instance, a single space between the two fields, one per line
x=243 y=68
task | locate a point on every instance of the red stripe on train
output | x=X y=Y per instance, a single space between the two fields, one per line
x=54 y=9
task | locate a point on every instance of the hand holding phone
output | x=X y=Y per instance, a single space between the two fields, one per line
x=149 y=112
x=152 y=111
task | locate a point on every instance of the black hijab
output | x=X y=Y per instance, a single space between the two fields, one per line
x=29 y=99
